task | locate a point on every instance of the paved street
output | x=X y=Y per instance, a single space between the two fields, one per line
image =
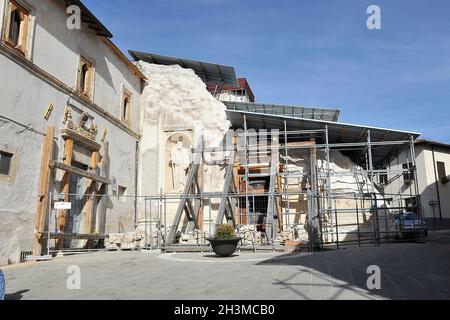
x=408 y=271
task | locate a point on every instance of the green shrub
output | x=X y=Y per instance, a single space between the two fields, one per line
x=225 y=232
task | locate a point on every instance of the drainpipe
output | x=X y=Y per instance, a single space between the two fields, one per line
x=437 y=184
x=136 y=167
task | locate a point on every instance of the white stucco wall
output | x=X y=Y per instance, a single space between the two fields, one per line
x=229 y=95
x=430 y=186
x=426 y=180
x=57 y=50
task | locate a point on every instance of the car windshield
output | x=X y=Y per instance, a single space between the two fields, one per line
x=410 y=216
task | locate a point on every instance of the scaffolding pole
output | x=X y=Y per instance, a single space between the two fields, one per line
x=328 y=184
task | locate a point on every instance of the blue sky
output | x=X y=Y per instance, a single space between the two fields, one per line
x=309 y=52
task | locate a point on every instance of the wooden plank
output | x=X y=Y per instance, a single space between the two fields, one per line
x=62 y=217
x=192 y=212
x=82 y=173
x=183 y=199
x=92 y=190
x=226 y=189
x=70 y=236
x=230 y=212
x=43 y=189
x=244 y=209
x=271 y=200
x=278 y=203
x=313 y=215
x=194 y=223
x=300 y=143
x=236 y=189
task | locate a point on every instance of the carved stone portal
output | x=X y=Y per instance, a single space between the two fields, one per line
x=81 y=127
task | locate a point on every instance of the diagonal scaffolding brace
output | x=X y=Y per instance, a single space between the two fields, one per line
x=227 y=203
x=272 y=208
x=186 y=205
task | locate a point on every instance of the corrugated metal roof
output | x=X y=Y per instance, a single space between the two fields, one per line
x=88 y=17
x=285 y=110
x=337 y=133
x=208 y=72
x=431 y=143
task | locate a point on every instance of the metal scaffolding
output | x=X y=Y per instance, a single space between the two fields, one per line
x=293 y=198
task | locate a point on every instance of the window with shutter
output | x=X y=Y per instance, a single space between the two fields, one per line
x=84 y=78
x=442 y=174
x=16 y=27
x=126 y=108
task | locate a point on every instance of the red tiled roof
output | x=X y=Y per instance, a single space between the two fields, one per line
x=243 y=84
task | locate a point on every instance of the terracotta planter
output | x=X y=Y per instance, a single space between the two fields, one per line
x=224 y=248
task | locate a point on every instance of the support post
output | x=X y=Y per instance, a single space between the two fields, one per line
x=247 y=181
x=373 y=191
x=68 y=155
x=92 y=201
x=286 y=179
x=328 y=184
x=184 y=200
x=43 y=190
x=228 y=186
x=270 y=217
x=313 y=212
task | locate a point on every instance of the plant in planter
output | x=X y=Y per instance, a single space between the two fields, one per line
x=225 y=241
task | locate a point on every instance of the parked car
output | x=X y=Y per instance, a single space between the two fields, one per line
x=2 y=285
x=409 y=223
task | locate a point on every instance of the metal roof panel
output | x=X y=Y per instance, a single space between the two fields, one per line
x=208 y=72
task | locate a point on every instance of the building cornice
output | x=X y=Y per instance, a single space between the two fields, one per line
x=59 y=85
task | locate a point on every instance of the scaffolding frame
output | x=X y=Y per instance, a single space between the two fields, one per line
x=324 y=217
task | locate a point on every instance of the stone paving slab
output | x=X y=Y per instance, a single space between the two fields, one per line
x=408 y=271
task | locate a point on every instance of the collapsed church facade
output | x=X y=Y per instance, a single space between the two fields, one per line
x=102 y=153
x=285 y=177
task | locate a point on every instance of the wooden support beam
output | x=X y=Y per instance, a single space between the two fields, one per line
x=278 y=203
x=193 y=215
x=244 y=209
x=228 y=184
x=313 y=212
x=191 y=211
x=62 y=217
x=70 y=169
x=236 y=188
x=43 y=189
x=92 y=201
x=270 y=218
x=193 y=170
x=70 y=236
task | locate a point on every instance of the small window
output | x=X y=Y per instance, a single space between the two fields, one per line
x=5 y=163
x=84 y=78
x=441 y=172
x=408 y=177
x=16 y=26
x=122 y=191
x=122 y=194
x=126 y=108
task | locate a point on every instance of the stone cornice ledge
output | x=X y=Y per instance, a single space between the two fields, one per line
x=84 y=141
x=38 y=72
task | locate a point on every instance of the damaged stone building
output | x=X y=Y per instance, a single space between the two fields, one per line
x=97 y=151
x=69 y=124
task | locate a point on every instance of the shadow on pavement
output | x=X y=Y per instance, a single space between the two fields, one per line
x=408 y=271
x=16 y=296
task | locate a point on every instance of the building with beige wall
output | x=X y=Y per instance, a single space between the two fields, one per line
x=431 y=178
